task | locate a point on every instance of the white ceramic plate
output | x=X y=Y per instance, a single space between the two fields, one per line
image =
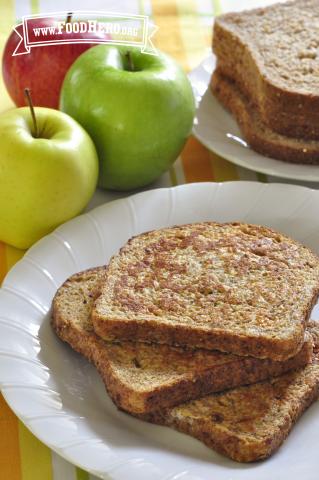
x=61 y=398
x=218 y=131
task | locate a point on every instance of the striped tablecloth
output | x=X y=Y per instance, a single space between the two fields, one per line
x=184 y=32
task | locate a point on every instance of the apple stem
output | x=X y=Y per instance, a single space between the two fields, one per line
x=130 y=61
x=69 y=17
x=27 y=94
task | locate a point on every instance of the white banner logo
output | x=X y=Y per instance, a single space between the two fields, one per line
x=85 y=27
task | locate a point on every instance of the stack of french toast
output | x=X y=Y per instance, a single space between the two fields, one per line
x=267 y=76
x=204 y=328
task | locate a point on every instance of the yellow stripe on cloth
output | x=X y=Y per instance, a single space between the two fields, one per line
x=3 y=261
x=35 y=456
x=192 y=33
x=223 y=169
x=261 y=177
x=168 y=37
x=9 y=443
x=82 y=474
x=217 y=7
x=13 y=255
x=35 y=6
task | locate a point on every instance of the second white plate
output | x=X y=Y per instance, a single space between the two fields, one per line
x=218 y=131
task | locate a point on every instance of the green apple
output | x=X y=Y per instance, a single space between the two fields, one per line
x=46 y=180
x=138 y=109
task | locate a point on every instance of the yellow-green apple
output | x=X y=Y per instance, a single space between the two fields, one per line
x=48 y=173
x=44 y=68
x=137 y=108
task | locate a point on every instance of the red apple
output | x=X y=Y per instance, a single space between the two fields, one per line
x=43 y=69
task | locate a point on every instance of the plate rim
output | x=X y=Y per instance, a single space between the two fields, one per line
x=62 y=451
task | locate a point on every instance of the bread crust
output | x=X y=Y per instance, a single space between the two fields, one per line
x=257 y=134
x=228 y=422
x=208 y=374
x=113 y=319
x=289 y=112
x=149 y=330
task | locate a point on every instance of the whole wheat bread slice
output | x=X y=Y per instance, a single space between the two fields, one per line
x=142 y=378
x=272 y=54
x=258 y=135
x=234 y=287
x=248 y=423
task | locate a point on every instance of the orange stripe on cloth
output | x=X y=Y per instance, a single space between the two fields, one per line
x=9 y=443
x=168 y=37
x=196 y=162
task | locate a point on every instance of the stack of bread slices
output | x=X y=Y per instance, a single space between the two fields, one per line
x=267 y=76
x=204 y=328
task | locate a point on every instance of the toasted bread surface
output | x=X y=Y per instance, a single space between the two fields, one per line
x=247 y=423
x=141 y=377
x=272 y=53
x=259 y=136
x=237 y=288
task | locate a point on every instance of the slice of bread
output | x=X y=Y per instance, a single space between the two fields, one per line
x=272 y=54
x=258 y=135
x=248 y=423
x=140 y=377
x=233 y=287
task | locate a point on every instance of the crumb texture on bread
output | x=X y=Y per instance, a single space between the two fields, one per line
x=284 y=38
x=145 y=377
x=272 y=52
x=248 y=423
x=234 y=287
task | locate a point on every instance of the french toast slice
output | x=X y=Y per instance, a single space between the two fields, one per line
x=248 y=423
x=234 y=287
x=272 y=55
x=145 y=377
x=258 y=135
